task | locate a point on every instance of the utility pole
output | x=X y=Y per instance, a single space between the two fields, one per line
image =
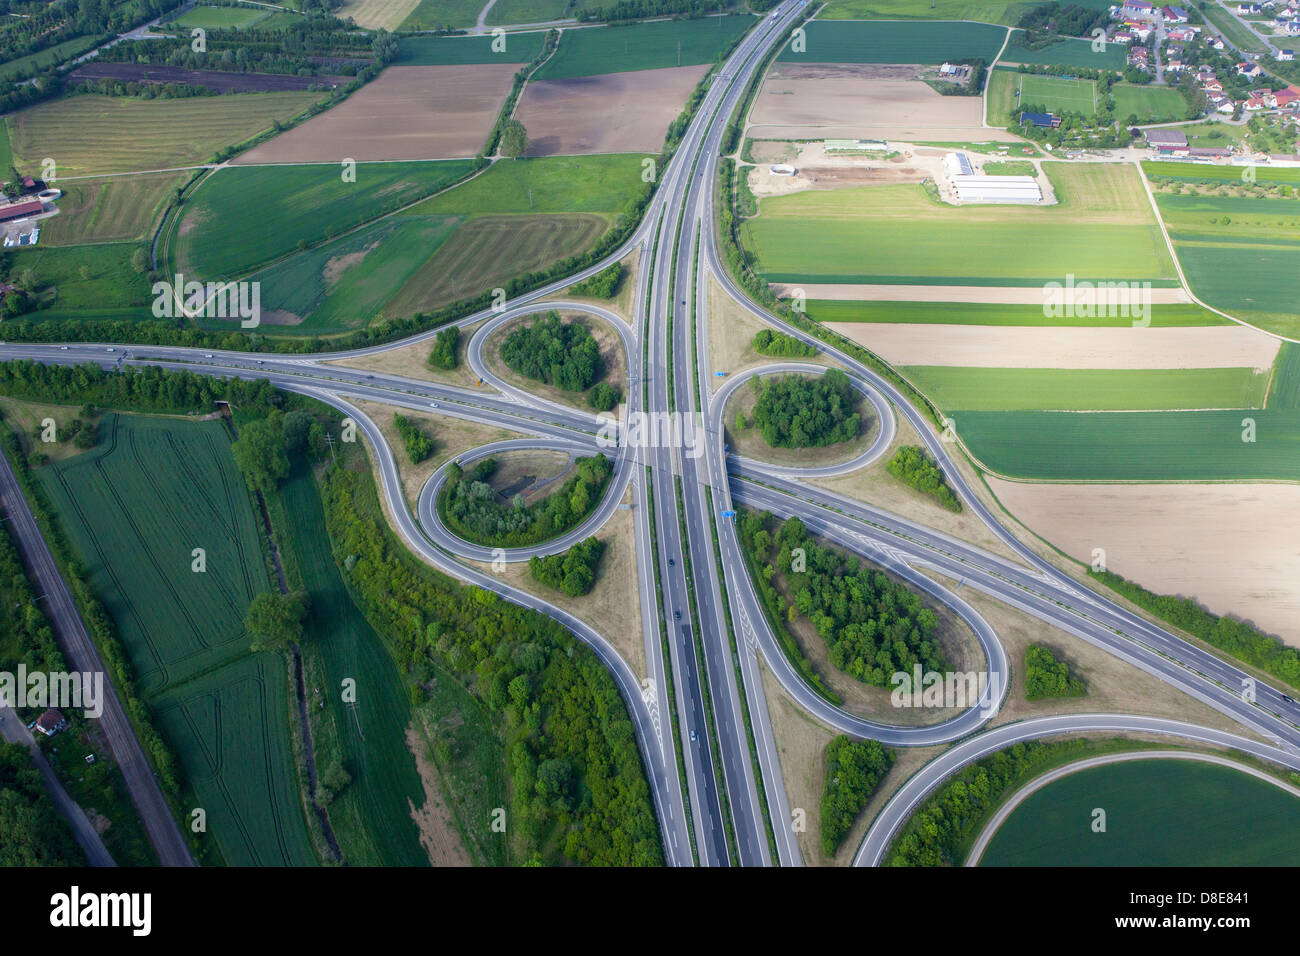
x=329 y=440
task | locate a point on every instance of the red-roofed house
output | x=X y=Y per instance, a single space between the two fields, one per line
x=51 y=722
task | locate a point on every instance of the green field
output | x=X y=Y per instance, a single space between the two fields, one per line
x=1156 y=815
x=371 y=816
x=537 y=11
x=73 y=280
x=1210 y=175
x=345 y=283
x=1068 y=52
x=1057 y=94
x=896 y=41
x=116 y=209
x=451 y=51
x=52 y=56
x=134 y=508
x=957 y=389
x=436 y=14
x=983 y=313
x=642 y=46
x=91 y=134
x=900 y=235
x=1145 y=446
x=219 y=18
x=1151 y=104
x=273 y=210
x=989 y=11
x=596 y=184
x=1239 y=254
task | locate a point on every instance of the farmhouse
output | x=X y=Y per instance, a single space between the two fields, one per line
x=1009 y=189
x=51 y=722
x=1286 y=54
x=1248 y=69
x=17 y=210
x=1165 y=138
x=1137 y=8
x=1173 y=14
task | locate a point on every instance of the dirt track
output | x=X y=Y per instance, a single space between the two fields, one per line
x=863 y=100
x=1004 y=295
x=613 y=113
x=996 y=346
x=408 y=112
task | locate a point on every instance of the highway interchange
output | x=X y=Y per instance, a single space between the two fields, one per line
x=727 y=804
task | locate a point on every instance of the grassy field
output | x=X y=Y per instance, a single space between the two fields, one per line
x=1212 y=175
x=991 y=389
x=219 y=18
x=897 y=41
x=105 y=134
x=989 y=11
x=1239 y=254
x=1058 y=94
x=642 y=46
x=595 y=184
x=77 y=280
x=273 y=210
x=1068 y=52
x=537 y=11
x=451 y=51
x=983 y=313
x=433 y=14
x=1236 y=33
x=1155 y=816
x=53 y=56
x=134 y=509
x=900 y=235
x=1151 y=104
x=371 y=816
x=117 y=209
x=345 y=283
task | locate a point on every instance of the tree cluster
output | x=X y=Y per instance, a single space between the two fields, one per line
x=1045 y=676
x=32 y=833
x=604 y=396
x=603 y=285
x=445 y=344
x=797 y=412
x=419 y=446
x=559 y=353
x=275 y=620
x=469 y=505
x=854 y=768
x=1063 y=19
x=913 y=467
x=767 y=342
x=573 y=572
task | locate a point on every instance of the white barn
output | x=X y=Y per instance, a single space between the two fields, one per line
x=1010 y=189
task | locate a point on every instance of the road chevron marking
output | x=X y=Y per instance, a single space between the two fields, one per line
x=650 y=696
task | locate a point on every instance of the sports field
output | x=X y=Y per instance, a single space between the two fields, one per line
x=898 y=234
x=1150 y=104
x=1240 y=255
x=1067 y=52
x=371 y=817
x=642 y=46
x=107 y=134
x=1158 y=813
x=219 y=18
x=895 y=41
x=982 y=313
x=1057 y=94
x=116 y=209
x=275 y=209
x=955 y=388
x=134 y=509
x=460 y=51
